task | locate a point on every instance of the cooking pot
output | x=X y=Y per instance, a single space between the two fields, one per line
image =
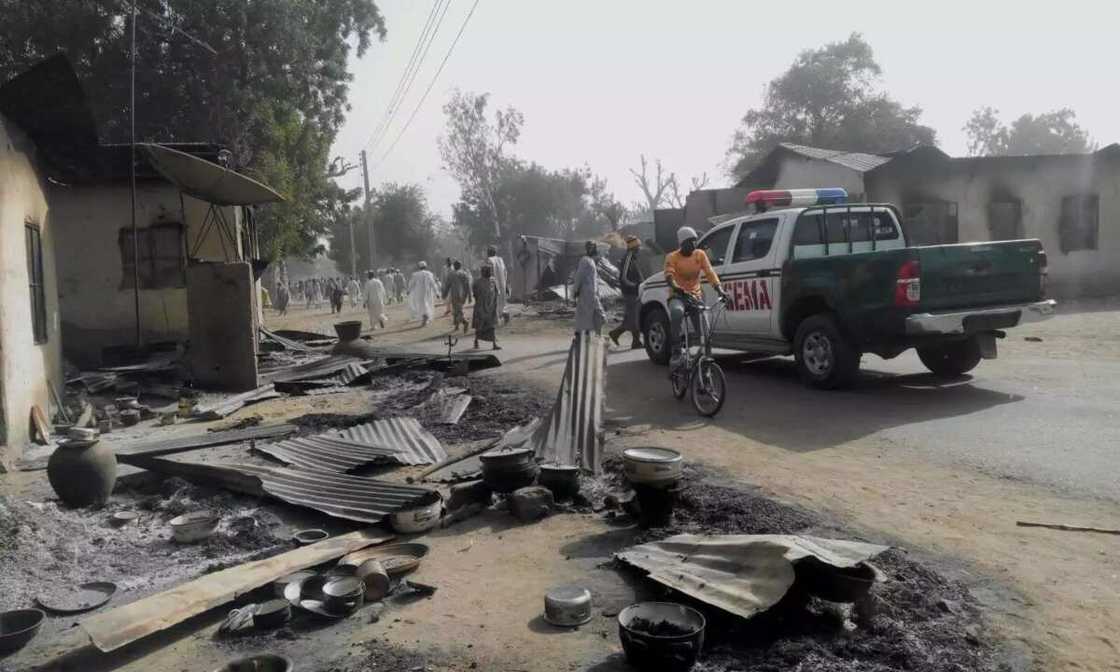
x=672 y=643
x=657 y=467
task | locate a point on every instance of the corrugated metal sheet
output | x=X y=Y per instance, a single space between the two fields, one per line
x=320 y=368
x=447 y=406
x=365 y=500
x=351 y=374
x=741 y=574
x=228 y=405
x=572 y=433
x=195 y=441
x=859 y=161
x=414 y=444
x=328 y=453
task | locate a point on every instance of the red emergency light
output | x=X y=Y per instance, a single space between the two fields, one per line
x=765 y=199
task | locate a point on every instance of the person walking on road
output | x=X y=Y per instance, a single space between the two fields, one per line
x=456 y=290
x=589 y=310
x=629 y=277
x=422 y=292
x=485 y=318
x=399 y=284
x=498 y=269
x=354 y=291
x=683 y=268
x=375 y=300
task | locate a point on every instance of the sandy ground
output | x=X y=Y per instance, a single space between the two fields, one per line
x=1053 y=595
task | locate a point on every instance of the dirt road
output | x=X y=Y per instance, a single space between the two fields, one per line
x=949 y=468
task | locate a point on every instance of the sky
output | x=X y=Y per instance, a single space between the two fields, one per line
x=601 y=82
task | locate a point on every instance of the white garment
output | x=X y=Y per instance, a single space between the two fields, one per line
x=375 y=302
x=500 y=277
x=422 y=292
x=355 y=291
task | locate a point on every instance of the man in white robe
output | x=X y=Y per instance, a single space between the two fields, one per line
x=375 y=300
x=500 y=277
x=422 y=292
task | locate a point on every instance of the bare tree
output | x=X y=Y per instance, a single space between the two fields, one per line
x=675 y=198
x=656 y=187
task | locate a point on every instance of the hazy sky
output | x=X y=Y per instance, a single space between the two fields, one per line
x=602 y=81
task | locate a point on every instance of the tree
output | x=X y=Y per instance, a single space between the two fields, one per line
x=676 y=199
x=267 y=79
x=474 y=150
x=604 y=205
x=654 y=187
x=1054 y=132
x=828 y=98
x=402 y=224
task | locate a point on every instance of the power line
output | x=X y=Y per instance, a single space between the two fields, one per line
x=430 y=86
x=410 y=70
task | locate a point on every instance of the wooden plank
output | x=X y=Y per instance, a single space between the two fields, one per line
x=1068 y=528
x=115 y=628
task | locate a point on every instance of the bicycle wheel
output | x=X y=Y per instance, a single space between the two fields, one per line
x=679 y=378
x=709 y=388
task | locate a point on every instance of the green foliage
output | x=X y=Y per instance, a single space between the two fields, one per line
x=828 y=98
x=503 y=197
x=1054 y=132
x=273 y=90
x=403 y=229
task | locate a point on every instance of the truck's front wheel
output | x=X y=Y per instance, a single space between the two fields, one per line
x=655 y=328
x=951 y=360
x=825 y=359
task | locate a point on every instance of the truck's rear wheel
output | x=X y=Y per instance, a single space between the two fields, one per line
x=655 y=329
x=950 y=360
x=825 y=359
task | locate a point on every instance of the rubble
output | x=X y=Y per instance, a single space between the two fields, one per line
x=531 y=503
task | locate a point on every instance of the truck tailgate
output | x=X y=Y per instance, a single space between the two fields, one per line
x=980 y=274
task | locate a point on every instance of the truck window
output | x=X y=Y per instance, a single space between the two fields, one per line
x=754 y=240
x=715 y=245
x=841 y=229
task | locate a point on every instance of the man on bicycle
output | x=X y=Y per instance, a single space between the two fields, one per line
x=683 y=268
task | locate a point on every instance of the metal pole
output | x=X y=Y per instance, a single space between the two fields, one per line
x=369 y=215
x=132 y=180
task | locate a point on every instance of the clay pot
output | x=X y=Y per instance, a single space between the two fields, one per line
x=83 y=475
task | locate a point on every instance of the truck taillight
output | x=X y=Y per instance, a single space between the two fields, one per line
x=908 y=286
x=1042 y=273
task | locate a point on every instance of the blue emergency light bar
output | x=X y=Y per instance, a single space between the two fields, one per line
x=765 y=199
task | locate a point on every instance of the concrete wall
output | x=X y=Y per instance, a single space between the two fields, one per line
x=25 y=367
x=702 y=204
x=98 y=310
x=1039 y=183
x=804 y=173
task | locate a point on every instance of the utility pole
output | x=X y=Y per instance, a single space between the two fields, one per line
x=132 y=175
x=369 y=215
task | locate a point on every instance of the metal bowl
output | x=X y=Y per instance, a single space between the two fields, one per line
x=279 y=586
x=19 y=627
x=567 y=606
x=272 y=614
x=419 y=518
x=195 y=526
x=310 y=536
x=265 y=662
x=343 y=594
x=122 y=518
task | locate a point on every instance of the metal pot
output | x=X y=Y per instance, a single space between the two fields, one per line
x=507 y=470
x=418 y=518
x=567 y=606
x=658 y=467
x=664 y=651
x=373 y=575
x=562 y=480
x=348 y=331
x=19 y=627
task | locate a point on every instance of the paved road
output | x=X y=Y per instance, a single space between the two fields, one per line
x=1044 y=412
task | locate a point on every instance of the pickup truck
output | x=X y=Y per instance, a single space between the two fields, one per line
x=830 y=281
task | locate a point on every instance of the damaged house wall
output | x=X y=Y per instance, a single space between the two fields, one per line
x=28 y=361
x=96 y=294
x=993 y=198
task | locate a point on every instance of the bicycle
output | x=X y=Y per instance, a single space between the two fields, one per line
x=699 y=371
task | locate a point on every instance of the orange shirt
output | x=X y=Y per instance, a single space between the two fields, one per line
x=685 y=271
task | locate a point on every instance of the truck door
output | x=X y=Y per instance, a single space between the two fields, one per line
x=752 y=278
x=715 y=244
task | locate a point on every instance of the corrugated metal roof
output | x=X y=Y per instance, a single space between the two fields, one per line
x=741 y=574
x=195 y=441
x=571 y=433
x=365 y=500
x=447 y=406
x=233 y=403
x=328 y=453
x=413 y=443
x=348 y=376
x=320 y=368
x=859 y=161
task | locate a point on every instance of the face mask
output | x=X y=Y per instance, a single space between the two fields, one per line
x=687 y=247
